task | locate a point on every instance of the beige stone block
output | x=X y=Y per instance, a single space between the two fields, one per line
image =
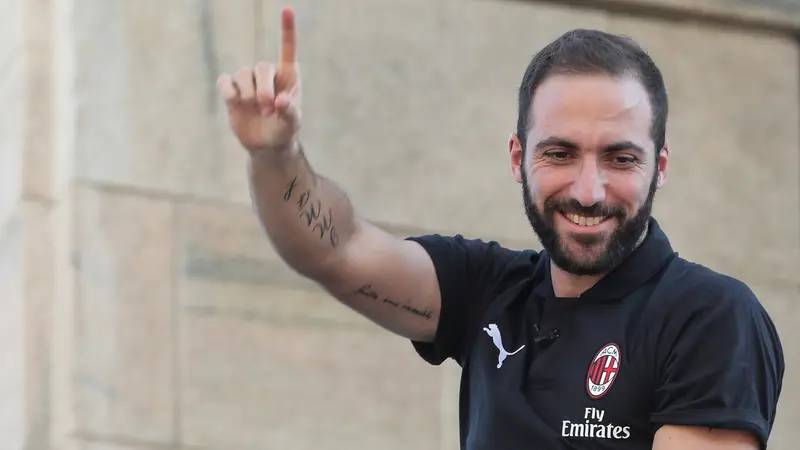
x=44 y=170
x=451 y=385
x=270 y=361
x=779 y=14
x=146 y=75
x=731 y=199
x=57 y=153
x=79 y=444
x=94 y=443
x=41 y=247
x=409 y=105
x=255 y=383
x=782 y=301
x=12 y=334
x=47 y=287
x=12 y=97
x=10 y=170
x=124 y=380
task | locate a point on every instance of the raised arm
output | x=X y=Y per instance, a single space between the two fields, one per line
x=309 y=219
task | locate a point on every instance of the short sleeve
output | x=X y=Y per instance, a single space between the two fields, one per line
x=466 y=270
x=724 y=366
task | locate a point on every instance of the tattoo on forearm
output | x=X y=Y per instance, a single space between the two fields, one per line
x=312 y=211
x=287 y=195
x=367 y=291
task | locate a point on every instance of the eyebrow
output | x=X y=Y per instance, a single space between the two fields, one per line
x=567 y=144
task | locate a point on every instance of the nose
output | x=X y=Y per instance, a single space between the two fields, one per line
x=589 y=186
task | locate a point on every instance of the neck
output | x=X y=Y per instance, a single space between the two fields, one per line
x=569 y=285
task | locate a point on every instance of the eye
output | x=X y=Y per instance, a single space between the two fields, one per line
x=557 y=155
x=623 y=160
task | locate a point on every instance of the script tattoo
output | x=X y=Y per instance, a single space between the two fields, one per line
x=305 y=196
x=312 y=211
x=325 y=226
x=287 y=195
x=367 y=291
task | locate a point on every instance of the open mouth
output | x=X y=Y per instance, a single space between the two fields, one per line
x=585 y=221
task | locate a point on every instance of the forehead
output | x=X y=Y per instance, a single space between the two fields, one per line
x=592 y=109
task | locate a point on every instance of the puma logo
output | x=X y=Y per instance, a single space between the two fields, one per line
x=494 y=333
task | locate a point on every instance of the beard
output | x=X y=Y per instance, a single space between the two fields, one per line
x=618 y=245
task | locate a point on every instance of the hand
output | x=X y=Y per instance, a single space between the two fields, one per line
x=263 y=102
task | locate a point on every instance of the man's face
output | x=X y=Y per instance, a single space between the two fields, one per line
x=588 y=171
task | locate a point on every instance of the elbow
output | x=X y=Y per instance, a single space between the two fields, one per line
x=325 y=270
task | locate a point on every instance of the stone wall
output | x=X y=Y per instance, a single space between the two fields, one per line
x=143 y=308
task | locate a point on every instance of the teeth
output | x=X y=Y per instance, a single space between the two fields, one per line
x=583 y=220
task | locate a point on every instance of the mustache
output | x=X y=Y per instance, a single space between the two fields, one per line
x=573 y=206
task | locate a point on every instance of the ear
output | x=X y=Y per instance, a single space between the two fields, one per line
x=517 y=156
x=663 y=163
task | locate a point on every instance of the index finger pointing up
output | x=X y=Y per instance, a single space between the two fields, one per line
x=288 y=36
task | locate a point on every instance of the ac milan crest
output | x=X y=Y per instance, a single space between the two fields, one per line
x=603 y=371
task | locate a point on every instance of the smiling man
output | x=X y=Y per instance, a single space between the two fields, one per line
x=585 y=153
x=593 y=178
x=605 y=339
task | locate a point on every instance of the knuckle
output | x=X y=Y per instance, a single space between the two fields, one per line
x=264 y=87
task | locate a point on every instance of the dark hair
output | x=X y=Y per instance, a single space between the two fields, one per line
x=595 y=52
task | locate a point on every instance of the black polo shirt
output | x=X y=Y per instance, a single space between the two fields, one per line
x=660 y=340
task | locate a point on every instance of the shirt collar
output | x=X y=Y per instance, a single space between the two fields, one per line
x=639 y=267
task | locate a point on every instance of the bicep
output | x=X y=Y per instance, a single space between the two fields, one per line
x=673 y=437
x=390 y=281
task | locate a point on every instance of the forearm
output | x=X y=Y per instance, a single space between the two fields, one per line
x=307 y=217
